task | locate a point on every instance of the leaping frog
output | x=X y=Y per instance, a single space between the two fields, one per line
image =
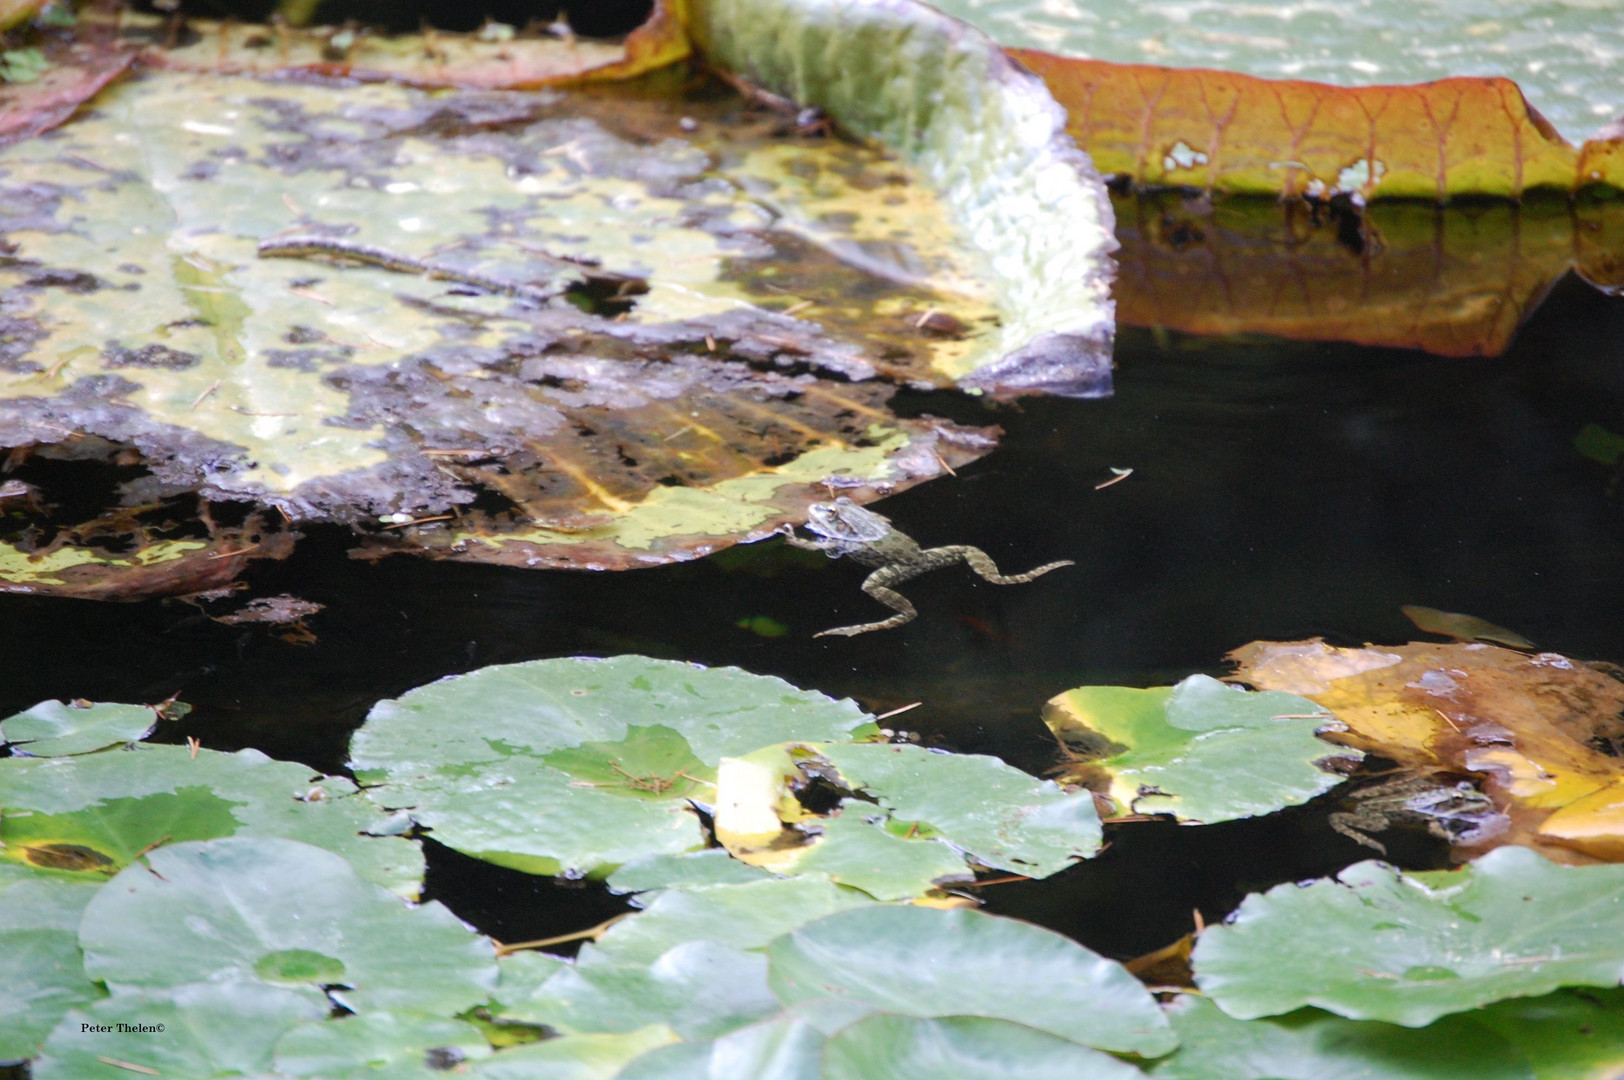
x=844 y=528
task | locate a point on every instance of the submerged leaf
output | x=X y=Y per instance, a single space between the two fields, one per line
x=1199 y=750
x=1541 y=732
x=577 y=764
x=285 y=914
x=1374 y=944
x=58 y=729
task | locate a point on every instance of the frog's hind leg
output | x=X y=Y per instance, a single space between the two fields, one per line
x=983 y=565
x=875 y=587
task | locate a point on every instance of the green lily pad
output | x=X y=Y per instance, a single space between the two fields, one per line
x=42 y=972
x=55 y=728
x=1568 y=1035
x=963 y=1047
x=998 y=815
x=744 y=916
x=1360 y=44
x=89 y=816
x=713 y=866
x=200 y=1030
x=520 y=974
x=577 y=764
x=925 y=962
x=1201 y=750
x=1374 y=944
x=1312 y=1045
x=246 y=907
x=379 y=1046
x=782 y=1048
x=865 y=855
x=699 y=989
x=572 y=1057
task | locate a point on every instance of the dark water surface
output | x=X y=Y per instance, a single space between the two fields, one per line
x=1280 y=490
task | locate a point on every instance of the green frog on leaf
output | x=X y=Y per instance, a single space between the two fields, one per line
x=844 y=528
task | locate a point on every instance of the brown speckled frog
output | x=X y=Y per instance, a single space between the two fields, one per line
x=1456 y=812
x=845 y=528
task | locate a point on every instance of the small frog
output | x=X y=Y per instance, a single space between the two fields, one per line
x=848 y=529
x=1458 y=812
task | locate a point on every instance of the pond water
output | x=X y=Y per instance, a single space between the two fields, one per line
x=1279 y=491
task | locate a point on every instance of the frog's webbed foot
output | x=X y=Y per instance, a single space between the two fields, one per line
x=1344 y=823
x=892 y=599
x=983 y=565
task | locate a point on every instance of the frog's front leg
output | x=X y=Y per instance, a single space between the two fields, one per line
x=878 y=585
x=982 y=564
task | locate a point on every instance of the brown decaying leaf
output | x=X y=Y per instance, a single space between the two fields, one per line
x=1403 y=274
x=77 y=71
x=467 y=61
x=1543 y=734
x=1222 y=131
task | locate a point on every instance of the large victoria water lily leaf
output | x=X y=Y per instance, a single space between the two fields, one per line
x=596 y=330
x=577 y=764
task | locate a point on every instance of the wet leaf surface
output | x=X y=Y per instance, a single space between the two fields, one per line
x=577 y=764
x=1198 y=750
x=572 y=1057
x=1373 y=944
x=967 y=1047
x=782 y=1048
x=401 y=1046
x=41 y=969
x=1542 y=733
x=57 y=729
x=925 y=963
x=112 y=806
x=1313 y=1045
x=286 y=914
x=209 y=1029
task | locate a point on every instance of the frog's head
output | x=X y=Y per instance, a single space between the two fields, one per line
x=845 y=520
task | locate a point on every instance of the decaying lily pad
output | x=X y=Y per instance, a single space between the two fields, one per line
x=1543 y=734
x=586 y=330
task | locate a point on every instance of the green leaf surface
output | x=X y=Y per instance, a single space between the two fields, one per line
x=1568 y=1035
x=641 y=736
x=864 y=855
x=572 y=1057
x=713 y=866
x=1312 y=1045
x=56 y=728
x=1547 y=48
x=1201 y=750
x=41 y=969
x=744 y=916
x=90 y=815
x=962 y=1047
x=930 y=89
x=205 y=1030
x=925 y=962
x=379 y=1046
x=700 y=989
x=782 y=1048
x=520 y=974
x=248 y=907
x=1373 y=944
x=995 y=813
